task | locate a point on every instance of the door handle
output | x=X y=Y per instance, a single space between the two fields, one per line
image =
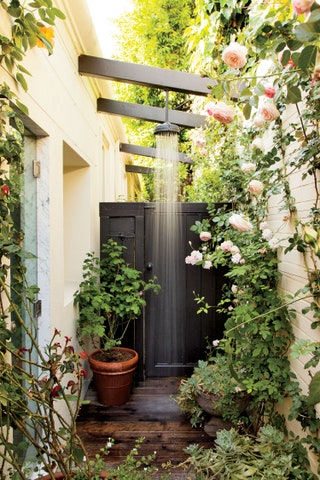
x=149 y=266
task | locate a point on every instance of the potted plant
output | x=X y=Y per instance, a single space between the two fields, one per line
x=213 y=390
x=110 y=297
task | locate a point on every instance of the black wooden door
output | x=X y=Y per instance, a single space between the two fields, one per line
x=170 y=337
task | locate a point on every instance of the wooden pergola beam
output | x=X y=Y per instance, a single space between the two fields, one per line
x=165 y=79
x=149 y=114
x=147 y=152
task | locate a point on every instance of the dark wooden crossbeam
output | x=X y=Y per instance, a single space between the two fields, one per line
x=147 y=152
x=165 y=79
x=149 y=114
x=139 y=169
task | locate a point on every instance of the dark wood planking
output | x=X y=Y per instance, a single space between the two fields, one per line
x=152 y=414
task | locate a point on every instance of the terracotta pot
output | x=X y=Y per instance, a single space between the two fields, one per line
x=209 y=403
x=113 y=380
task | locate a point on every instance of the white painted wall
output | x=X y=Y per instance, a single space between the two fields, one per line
x=292 y=267
x=80 y=162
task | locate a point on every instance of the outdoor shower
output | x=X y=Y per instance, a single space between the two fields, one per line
x=167 y=226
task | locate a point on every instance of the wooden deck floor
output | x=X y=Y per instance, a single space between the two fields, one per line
x=152 y=414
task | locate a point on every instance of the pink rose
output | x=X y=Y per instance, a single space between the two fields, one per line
x=240 y=223
x=255 y=187
x=200 y=141
x=269 y=91
x=194 y=257
x=205 y=236
x=226 y=246
x=248 y=167
x=269 y=111
x=236 y=258
x=220 y=111
x=301 y=6
x=207 y=265
x=235 y=55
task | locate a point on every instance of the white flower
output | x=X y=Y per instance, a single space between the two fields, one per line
x=207 y=265
x=263 y=225
x=258 y=143
x=215 y=343
x=234 y=249
x=234 y=288
x=255 y=187
x=240 y=223
x=274 y=243
x=266 y=234
x=236 y=258
x=248 y=167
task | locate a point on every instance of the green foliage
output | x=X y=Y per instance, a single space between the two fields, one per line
x=134 y=467
x=270 y=456
x=153 y=34
x=110 y=296
x=28 y=20
x=215 y=378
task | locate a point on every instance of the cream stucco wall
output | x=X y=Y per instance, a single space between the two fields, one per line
x=80 y=162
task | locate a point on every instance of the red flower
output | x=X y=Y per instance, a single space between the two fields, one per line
x=56 y=391
x=68 y=339
x=269 y=92
x=57 y=332
x=69 y=350
x=23 y=350
x=83 y=373
x=83 y=355
x=57 y=345
x=5 y=190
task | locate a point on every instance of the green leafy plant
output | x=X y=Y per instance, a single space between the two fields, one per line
x=235 y=456
x=134 y=467
x=214 y=379
x=110 y=296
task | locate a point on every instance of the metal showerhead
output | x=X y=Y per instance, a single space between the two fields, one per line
x=166 y=127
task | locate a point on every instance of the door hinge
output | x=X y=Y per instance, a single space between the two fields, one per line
x=37 y=306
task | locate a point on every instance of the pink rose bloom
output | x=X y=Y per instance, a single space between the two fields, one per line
x=194 y=257
x=255 y=187
x=301 y=6
x=240 y=223
x=207 y=265
x=200 y=141
x=226 y=246
x=248 y=167
x=269 y=91
x=220 y=111
x=259 y=121
x=235 y=55
x=269 y=112
x=205 y=236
